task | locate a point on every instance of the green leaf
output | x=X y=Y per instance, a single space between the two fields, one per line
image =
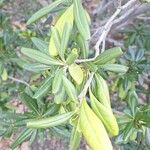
x=61 y=130
x=65 y=39
x=29 y=102
x=115 y=68
x=36 y=67
x=60 y=96
x=40 y=44
x=81 y=19
x=56 y=39
x=108 y=55
x=42 y=12
x=24 y=135
x=33 y=136
x=40 y=57
x=143 y=114
x=52 y=110
x=51 y=121
x=128 y=131
x=43 y=89
x=83 y=45
x=133 y=101
x=90 y=66
x=66 y=17
x=75 y=138
x=57 y=81
x=70 y=89
x=139 y=54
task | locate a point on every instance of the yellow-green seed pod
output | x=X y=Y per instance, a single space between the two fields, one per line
x=76 y=73
x=66 y=18
x=93 y=129
x=102 y=91
x=105 y=114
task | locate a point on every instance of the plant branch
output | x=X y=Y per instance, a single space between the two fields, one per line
x=86 y=86
x=19 y=81
x=105 y=31
x=100 y=41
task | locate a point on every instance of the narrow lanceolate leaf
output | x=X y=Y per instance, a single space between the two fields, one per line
x=102 y=91
x=70 y=89
x=75 y=138
x=36 y=67
x=133 y=101
x=52 y=110
x=65 y=39
x=105 y=114
x=33 y=136
x=57 y=81
x=40 y=57
x=44 y=11
x=108 y=55
x=93 y=129
x=54 y=46
x=115 y=68
x=40 y=44
x=81 y=19
x=51 y=121
x=66 y=18
x=43 y=89
x=60 y=96
x=29 y=102
x=83 y=45
x=76 y=73
x=24 y=135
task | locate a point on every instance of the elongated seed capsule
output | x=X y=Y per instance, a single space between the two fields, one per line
x=102 y=91
x=105 y=114
x=76 y=73
x=93 y=129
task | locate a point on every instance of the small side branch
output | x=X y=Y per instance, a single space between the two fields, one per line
x=105 y=31
x=86 y=86
x=19 y=81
